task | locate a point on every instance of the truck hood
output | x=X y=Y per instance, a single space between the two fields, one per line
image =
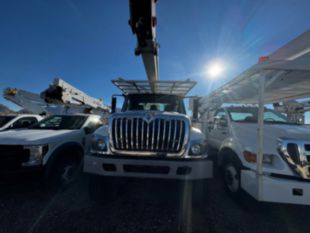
x=247 y=134
x=32 y=136
x=152 y=113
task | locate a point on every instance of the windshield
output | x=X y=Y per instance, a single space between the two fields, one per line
x=61 y=122
x=250 y=114
x=158 y=102
x=5 y=119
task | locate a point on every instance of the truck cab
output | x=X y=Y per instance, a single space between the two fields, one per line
x=151 y=137
x=232 y=133
x=8 y=122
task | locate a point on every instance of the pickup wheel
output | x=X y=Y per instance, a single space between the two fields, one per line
x=231 y=176
x=103 y=189
x=63 y=172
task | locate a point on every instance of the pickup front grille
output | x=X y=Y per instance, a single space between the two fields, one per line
x=159 y=135
x=11 y=156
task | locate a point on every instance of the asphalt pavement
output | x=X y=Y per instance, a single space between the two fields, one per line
x=148 y=206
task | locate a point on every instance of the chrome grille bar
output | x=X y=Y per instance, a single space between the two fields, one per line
x=131 y=139
x=179 y=141
x=175 y=134
x=164 y=135
x=116 y=134
x=147 y=135
x=142 y=134
x=169 y=135
x=153 y=135
x=137 y=134
x=121 y=133
x=126 y=134
x=158 y=135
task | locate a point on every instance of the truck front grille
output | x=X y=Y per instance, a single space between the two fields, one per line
x=159 y=135
x=11 y=156
x=297 y=155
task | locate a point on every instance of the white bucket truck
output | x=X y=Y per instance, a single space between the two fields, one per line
x=259 y=150
x=151 y=137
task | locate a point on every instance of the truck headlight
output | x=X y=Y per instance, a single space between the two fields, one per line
x=252 y=157
x=198 y=148
x=36 y=153
x=99 y=145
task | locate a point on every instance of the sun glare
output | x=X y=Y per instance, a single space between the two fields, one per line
x=215 y=69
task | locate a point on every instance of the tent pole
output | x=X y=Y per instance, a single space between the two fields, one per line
x=260 y=136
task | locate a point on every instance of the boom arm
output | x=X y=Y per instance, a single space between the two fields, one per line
x=25 y=99
x=294 y=110
x=59 y=98
x=61 y=92
x=143 y=23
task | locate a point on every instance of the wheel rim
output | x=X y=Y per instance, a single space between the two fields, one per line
x=231 y=178
x=67 y=174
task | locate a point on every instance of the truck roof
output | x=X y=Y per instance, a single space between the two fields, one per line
x=180 y=88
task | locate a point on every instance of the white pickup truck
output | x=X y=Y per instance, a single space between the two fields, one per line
x=8 y=122
x=232 y=132
x=53 y=147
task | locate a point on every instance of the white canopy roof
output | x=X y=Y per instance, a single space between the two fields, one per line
x=286 y=72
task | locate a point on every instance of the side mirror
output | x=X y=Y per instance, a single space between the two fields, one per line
x=88 y=130
x=195 y=109
x=113 y=104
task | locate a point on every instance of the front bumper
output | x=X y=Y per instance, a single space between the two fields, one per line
x=8 y=175
x=164 y=168
x=273 y=189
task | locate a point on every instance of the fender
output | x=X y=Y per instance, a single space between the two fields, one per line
x=232 y=144
x=52 y=160
x=63 y=148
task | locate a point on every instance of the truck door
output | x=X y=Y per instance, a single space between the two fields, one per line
x=219 y=129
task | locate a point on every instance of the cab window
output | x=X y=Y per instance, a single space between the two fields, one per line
x=24 y=122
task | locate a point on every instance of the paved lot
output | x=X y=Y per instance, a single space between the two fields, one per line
x=146 y=208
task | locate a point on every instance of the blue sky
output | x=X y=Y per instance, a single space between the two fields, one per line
x=88 y=43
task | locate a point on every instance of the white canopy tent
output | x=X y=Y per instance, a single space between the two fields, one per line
x=283 y=75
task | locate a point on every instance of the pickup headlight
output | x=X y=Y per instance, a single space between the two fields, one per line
x=252 y=157
x=36 y=153
x=99 y=145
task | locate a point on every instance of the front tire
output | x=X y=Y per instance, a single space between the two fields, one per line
x=62 y=172
x=231 y=177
